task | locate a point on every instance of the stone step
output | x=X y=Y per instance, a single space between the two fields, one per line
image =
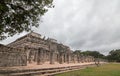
x=45 y=71
x=72 y=69
x=52 y=74
x=37 y=72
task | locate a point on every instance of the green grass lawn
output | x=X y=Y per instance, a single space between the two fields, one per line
x=112 y=69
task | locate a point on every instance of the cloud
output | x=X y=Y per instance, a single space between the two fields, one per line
x=82 y=24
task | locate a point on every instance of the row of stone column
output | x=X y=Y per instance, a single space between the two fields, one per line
x=66 y=58
x=42 y=55
x=81 y=59
x=52 y=57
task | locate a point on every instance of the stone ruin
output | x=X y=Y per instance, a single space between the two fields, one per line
x=12 y=57
x=32 y=48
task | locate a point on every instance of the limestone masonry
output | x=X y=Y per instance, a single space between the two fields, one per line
x=32 y=48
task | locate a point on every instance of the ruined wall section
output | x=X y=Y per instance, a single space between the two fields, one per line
x=31 y=43
x=32 y=39
x=54 y=51
x=18 y=43
x=12 y=57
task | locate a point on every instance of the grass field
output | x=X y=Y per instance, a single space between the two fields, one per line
x=112 y=69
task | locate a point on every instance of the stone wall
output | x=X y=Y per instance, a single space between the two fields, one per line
x=40 y=50
x=12 y=57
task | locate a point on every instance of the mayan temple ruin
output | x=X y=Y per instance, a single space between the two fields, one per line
x=33 y=48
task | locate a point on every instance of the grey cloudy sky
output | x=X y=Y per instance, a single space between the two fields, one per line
x=82 y=24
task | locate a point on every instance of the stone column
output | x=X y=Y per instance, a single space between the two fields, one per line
x=64 y=58
x=73 y=60
x=48 y=56
x=51 y=57
x=78 y=58
x=68 y=58
x=24 y=58
x=30 y=57
x=57 y=57
x=35 y=58
x=39 y=57
x=43 y=56
x=61 y=58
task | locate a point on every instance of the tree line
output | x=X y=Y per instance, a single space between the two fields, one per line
x=113 y=56
x=94 y=54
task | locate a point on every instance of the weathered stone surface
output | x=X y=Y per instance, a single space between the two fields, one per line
x=35 y=49
x=12 y=56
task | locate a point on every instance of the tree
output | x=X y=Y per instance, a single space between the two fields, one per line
x=77 y=52
x=95 y=54
x=17 y=16
x=114 y=56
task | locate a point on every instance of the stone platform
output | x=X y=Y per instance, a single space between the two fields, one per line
x=45 y=69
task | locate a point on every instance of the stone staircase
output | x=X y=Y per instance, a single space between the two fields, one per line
x=43 y=72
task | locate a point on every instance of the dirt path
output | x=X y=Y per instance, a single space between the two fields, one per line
x=46 y=65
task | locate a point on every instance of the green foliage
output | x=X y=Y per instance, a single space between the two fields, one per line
x=114 y=55
x=95 y=54
x=77 y=52
x=17 y=16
